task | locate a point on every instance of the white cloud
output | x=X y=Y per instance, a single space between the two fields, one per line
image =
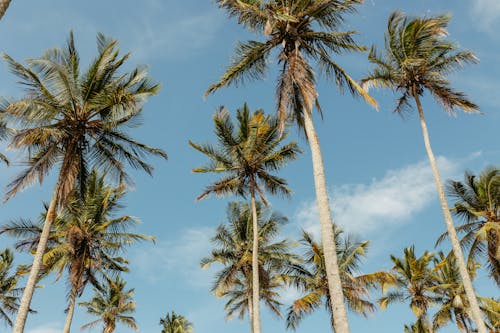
x=46 y=328
x=177 y=259
x=486 y=13
x=394 y=199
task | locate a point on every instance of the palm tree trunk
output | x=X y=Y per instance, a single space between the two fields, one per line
x=341 y=324
x=255 y=267
x=452 y=233
x=24 y=306
x=250 y=312
x=71 y=309
x=4 y=4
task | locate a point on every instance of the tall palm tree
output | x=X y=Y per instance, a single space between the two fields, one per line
x=86 y=238
x=453 y=304
x=112 y=304
x=174 y=323
x=303 y=33
x=4 y=5
x=417 y=59
x=75 y=121
x=247 y=154
x=415 y=282
x=310 y=278
x=233 y=244
x=9 y=292
x=477 y=202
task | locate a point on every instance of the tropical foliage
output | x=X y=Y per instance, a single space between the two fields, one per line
x=9 y=291
x=174 y=323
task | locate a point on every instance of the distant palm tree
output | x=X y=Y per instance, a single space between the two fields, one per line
x=4 y=4
x=302 y=34
x=112 y=304
x=9 y=292
x=233 y=244
x=418 y=58
x=174 y=323
x=85 y=239
x=415 y=283
x=310 y=278
x=477 y=202
x=247 y=154
x=75 y=121
x=453 y=304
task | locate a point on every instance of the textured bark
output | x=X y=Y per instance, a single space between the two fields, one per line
x=250 y=312
x=4 y=4
x=255 y=269
x=71 y=310
x=24 y=306
x=341 y=324
x=452 y=233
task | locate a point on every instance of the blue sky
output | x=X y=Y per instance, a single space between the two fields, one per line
x=381 y=186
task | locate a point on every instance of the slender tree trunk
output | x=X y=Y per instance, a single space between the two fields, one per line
x=428 y=323
x=452 y=233
x=71 y=309
x=341 y=324
x=250 y=312
x=4 y=4
x=255 y=267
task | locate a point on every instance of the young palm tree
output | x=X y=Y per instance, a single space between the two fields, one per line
x=247 y=154
x=234 y=250
x=112 y=304
x=4 y=5
x=174 y=323
x=417 y=59
x=453 y=304
x=415 y=283
x=310 y=278
x=75 y=121
x=9 y=293
x=303 y=33
x=85 y=239
x=477 y=202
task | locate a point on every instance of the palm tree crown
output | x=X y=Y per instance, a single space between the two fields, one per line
x=174 y=323
x=9 y=292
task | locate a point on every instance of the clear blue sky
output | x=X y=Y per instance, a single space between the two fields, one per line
x=375 y=162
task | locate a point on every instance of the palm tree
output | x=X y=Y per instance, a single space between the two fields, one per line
x=417 y=59
x=4 y=4
x=247 y=155
x=491 y=309
x=76 y=121
x=233 y=244
x=304 y=33
x=112 y=304
x=418 y=327
x=85 y=239
x=174 y=323
x=415 y=283
x=477 y=202
x=453 y=304
x=310 y=278
x=9 y=293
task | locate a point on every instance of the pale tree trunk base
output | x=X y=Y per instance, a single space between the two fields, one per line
x=341 y=324
x=255 y=269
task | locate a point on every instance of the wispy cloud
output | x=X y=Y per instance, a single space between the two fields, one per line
x=486 y=14
x=47 y=328
x=393 y=199
x=177 y=259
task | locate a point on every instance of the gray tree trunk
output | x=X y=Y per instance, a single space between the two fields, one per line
x=255 y=269
x=71 y=310
x=250 y=313
x=341 y=324
x=24 y=306
x=452 y=233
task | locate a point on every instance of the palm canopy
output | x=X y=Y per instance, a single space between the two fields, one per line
x=9 y=292
x=87 y=238
x=233 y=244
x=247 y=153
x=78 y=119
x=174 y=323
x=477 y=202
x=301 y=32
x=310 y=278
x=418 y=57
x=112 y=304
